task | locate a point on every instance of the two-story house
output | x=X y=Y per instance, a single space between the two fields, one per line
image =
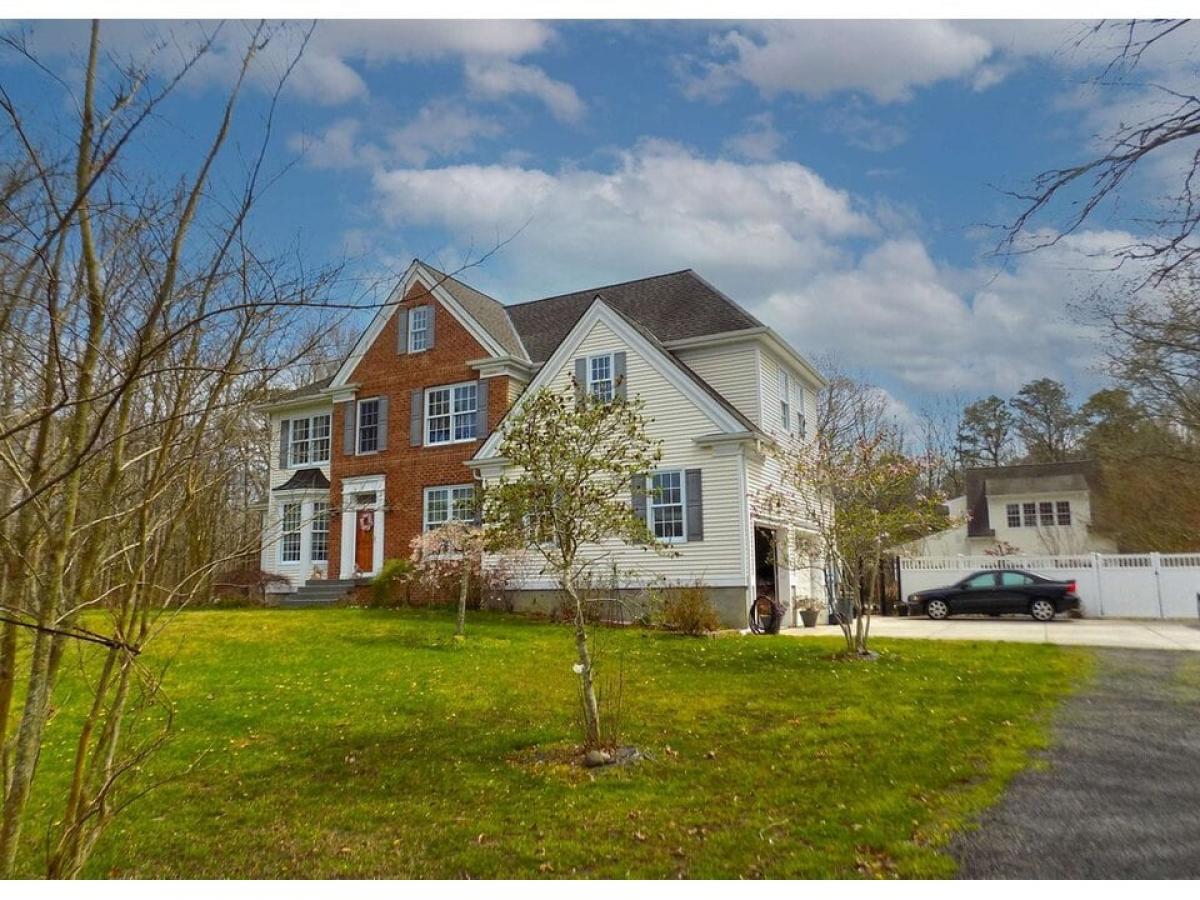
x=395 y=442
x=1029 y=510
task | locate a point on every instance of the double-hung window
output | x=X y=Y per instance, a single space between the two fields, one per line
x=1046 y=512
x=289 y=545
x=1013 y=512
x=368 y=425
x=319 y=546
x=1030 y=513
x=308 y=441
x=418 y=328
x=1063 y=508
x=785 y=400
x=451 y=413
x=455 y=503
x=600 y=377
x=666 y=505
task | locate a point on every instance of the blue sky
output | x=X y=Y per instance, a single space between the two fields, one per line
x=836 y=178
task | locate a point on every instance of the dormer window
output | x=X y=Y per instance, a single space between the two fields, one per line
x=418 y=328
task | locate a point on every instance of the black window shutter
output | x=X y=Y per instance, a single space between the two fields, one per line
x=285 y=430
x=382 y=430
x=432 y=316
x=402 y=330
x=638 y=491
x=416 y=413
x=695 y=505
x=619 y=377
x=348 y=426
x=580 y=378
x=481 y=414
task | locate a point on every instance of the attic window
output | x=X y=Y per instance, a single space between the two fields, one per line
x=600 y=377
x=418 y=329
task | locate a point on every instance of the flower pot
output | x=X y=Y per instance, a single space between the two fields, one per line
x=809 y=617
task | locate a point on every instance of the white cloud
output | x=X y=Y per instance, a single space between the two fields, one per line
x=502 y=78
x=884 y=59
x=760 y=141
x=864 y=131
x=337 y=147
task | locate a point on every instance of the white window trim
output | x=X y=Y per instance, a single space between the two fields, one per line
x=449 y=489
x=1037 y=522
x=784 y=385
x=292 y=420
x=682 y=539
x=284 y=532
x=313 y=531
x=612 y=374
x=425 y=421
x=358 y=450
x=411 y=331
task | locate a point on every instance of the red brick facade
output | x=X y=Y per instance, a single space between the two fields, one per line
x=409 y=470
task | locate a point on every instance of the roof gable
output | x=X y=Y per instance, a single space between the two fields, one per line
x=720 y=411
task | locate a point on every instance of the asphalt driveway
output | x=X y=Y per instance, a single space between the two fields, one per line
x=1145 y=634
x=1119 y=795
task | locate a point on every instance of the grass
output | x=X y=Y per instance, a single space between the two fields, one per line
x=367 y=743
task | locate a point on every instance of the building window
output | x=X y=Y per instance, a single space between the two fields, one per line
x=600 y=377
x=451 y=413
x=455 y=503
x=319 y=546
x=289 y=547
x=801 y=421
x=1030 y=510
x=1014 y=515
x=666 y=506
x=418 y=328
x=785 y=395
x=1064 y=512
x=308 y=441
x=368 y=425
x=1046 y=511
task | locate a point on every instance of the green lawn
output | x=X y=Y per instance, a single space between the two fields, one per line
x=366 y=743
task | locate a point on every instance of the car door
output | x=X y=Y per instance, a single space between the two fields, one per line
x=976 y=594
x=1014 y=593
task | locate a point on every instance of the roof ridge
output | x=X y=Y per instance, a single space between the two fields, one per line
x=603 y=287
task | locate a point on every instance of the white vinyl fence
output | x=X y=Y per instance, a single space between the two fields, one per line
x=1119 y=585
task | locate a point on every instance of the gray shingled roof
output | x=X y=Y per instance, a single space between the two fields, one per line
x=671 y=307
x=305 y=480
x=488 y=312
x=313 y=388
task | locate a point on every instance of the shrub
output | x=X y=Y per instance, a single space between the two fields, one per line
x=388 y=587
x=245 y=585
x=688 y=610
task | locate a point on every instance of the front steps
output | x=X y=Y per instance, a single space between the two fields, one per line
x=318 y=593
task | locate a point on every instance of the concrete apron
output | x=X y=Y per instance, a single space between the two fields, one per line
x=1138 y=634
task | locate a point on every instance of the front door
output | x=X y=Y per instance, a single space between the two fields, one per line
x=364 y=540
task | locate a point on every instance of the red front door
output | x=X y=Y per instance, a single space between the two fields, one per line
x=364 y=540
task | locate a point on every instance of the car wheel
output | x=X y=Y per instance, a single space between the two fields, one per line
x=1042 y=610
x=937 y=609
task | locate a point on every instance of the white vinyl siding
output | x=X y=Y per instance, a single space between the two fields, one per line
x=675 y=420
x=271 y=555
x=733 y=371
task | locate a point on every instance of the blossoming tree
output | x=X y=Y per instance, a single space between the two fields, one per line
x=568 y=501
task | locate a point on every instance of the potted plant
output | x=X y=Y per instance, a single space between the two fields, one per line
x=810 y=608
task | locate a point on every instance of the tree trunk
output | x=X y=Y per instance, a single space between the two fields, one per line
x=464 y=583
x=591 y=709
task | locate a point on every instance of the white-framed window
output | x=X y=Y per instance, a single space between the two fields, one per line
x=308 y=440
x=319 y=543
x=1046 y=512
x=1030 y=513
x=785 y=400
x=1063 y=508
x=600 y=377
x=418 y=328
x=666 y=506
x=451 y=413
x=289 y=543
x=452 y=503
x=368 y=425
x=1013 y=513
x=801 y=419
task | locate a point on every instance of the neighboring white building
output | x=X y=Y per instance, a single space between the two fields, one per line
x=1030 y=510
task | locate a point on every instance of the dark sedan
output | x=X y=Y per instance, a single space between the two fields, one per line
x=996 y=592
